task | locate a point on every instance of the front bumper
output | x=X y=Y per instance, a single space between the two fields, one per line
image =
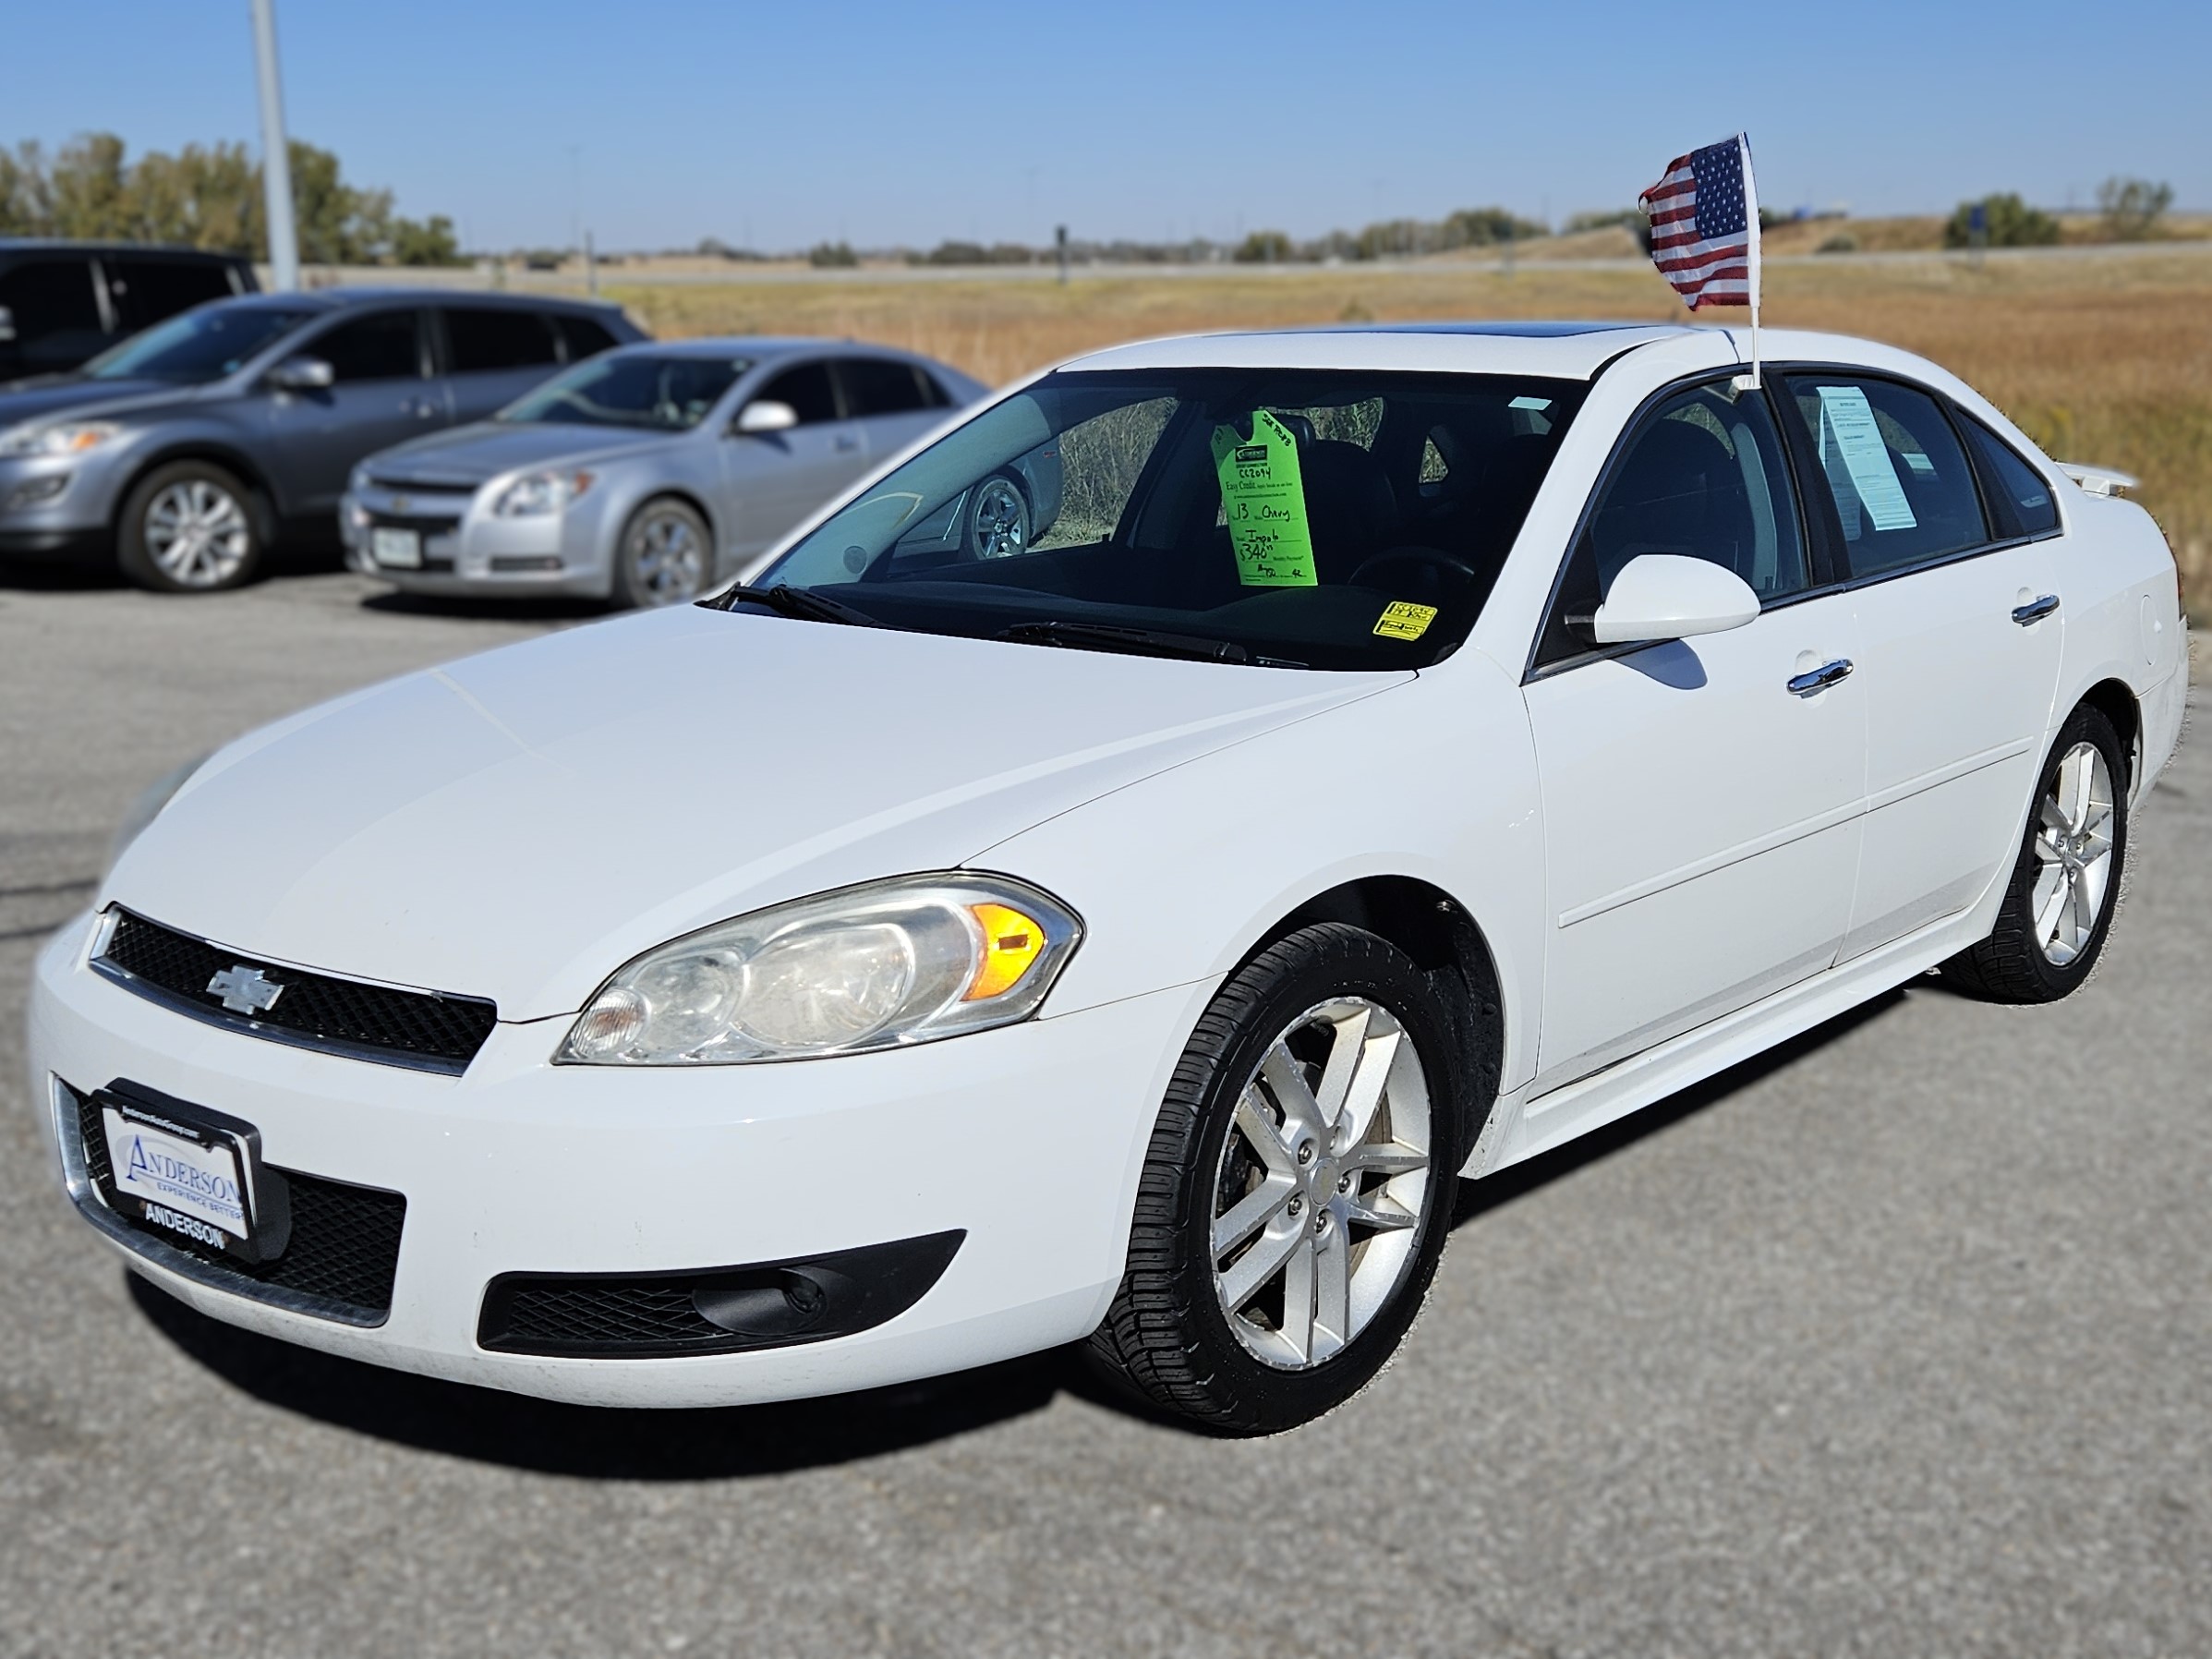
x=57 y=505
x=469 y=550
x=1029 y=1140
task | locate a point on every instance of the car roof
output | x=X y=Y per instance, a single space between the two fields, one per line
x=344 y=299
x=1558 y=349
x=167 y=251
x=761 y=347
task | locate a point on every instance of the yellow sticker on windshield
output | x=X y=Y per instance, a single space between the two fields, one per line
x=1401 y=621
x=1265 y=501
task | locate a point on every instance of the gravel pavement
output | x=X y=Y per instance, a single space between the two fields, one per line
x=1899 y=1341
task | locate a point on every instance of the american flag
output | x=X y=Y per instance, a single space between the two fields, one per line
x=1705 y=225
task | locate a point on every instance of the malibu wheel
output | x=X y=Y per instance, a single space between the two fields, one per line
x=188 y=527
x=2065 y=884
x=998 y=519
x=665 y=556
x=1297 y=1193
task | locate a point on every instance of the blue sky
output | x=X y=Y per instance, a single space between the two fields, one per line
x=909 y=123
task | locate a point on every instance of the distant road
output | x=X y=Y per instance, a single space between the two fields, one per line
x=743 y=272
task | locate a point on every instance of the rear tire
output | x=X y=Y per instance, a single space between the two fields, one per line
x=1294 y=1202
x=2065 y=885
x=665 y=557
x=191 y=526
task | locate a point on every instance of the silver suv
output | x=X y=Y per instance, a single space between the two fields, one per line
x=181 y=452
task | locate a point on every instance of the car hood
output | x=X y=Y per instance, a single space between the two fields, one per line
x=471 y=454
x=50 y=396
x=518 y=825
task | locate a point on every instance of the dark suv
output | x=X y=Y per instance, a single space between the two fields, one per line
x=63 y=302
x=182 y=451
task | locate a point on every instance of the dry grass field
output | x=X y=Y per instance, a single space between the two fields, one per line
x=2105 y=359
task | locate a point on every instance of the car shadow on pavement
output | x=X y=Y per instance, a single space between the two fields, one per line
x=722 y=1443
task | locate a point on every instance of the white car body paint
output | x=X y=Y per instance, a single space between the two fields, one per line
x=518 y=825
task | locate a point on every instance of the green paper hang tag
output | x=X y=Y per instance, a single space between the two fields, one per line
x=1265 y=501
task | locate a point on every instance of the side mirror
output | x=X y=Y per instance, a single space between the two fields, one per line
x=1672 y=596
x=303 y=374
x=766 y=415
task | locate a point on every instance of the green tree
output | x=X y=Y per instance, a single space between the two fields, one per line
x=2133 y=207
x=2010 y=222
x=90 y=193
x=427 y=242
x=832 y=255
x=1265 y=248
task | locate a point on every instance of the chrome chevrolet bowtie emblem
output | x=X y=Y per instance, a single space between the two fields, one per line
x=244 y=990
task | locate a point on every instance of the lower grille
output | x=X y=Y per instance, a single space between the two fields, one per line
x=342 y=1254
x=369 y=1022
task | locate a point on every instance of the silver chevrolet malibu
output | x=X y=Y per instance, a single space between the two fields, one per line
x=649 y=473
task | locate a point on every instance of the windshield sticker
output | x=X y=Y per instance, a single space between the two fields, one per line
x=1401 y=621
x=1857 y=463
x=1264 y=499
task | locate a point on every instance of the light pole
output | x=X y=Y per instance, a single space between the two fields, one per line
x=277 y=155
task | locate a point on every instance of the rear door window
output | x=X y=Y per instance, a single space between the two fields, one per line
x=1888 y=460
x=149 y=291
x=384 y=345
x=584 y=338
x=487 y=339
x=807 y=389
x=2020 y=498
x=880 y=386
x=54 y=313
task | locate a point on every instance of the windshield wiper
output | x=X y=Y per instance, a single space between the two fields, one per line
x=801 y=602
x=1102 y=636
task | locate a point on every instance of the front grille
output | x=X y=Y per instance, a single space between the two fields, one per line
x=370 y=1021
x=383 y=480
x=427 y=524
x=342 y=1257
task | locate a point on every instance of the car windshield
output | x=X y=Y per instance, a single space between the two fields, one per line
x=205 y=345
x=659 y=393
x=1288 y=518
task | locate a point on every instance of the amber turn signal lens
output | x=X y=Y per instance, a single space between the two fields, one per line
x=1010 y=942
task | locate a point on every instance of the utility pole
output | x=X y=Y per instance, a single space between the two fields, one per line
x=1059 y=242
x=276 y=155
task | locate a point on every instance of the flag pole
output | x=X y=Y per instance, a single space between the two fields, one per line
x=1751 y=217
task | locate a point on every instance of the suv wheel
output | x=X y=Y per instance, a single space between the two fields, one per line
x=1297 y=1193
x=190 y=528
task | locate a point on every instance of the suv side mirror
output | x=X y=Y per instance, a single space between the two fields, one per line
x=1672 y=596
x=303 y=374
x=766 y=415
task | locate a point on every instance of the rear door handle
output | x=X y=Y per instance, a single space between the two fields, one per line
x=1814 y=680
x=2035 y=610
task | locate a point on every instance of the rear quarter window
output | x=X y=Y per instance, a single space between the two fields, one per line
x=2020 y=498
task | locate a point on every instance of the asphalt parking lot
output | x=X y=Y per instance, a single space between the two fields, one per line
x=1897 y=1342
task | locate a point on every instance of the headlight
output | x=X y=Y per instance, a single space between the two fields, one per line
x=880 y=966
x=538 y=493
x=148 y=806
x=65 y=437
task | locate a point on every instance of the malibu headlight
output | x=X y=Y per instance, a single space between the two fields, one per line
x=881 y=966
x=536 y=493
x=61 y=438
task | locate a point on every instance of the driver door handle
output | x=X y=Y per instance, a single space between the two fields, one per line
x=2035 y=610
x=1815 y=681
x=422 y=408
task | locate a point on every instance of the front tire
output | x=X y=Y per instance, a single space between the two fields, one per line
x=2065 y=885
x=190 y=528
x=1297 y=1193
x=996 y=524
x=665 y=556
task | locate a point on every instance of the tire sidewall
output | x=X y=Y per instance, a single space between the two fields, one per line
x=1342 y=961
x=137 y=560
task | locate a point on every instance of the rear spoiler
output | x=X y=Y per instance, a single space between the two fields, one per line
x=2097 y=481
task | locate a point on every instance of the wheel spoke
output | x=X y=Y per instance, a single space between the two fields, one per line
x=1251 y=1212
x=1260 y=1133
x=1286 y=1082
x=1332 y=1294
x=1243 y=1279
x=1382 y=1212
x=1297 y=1296
x=1382 y=1157
x=1377 y=1055
x=1346 y=1042
x=2074 y=779
x=2047 y=909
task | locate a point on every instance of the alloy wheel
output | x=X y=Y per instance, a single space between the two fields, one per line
x=197 y=532
x=668 y=558
x=1000 y=518
x=2074 y=848
x=1322 y=1183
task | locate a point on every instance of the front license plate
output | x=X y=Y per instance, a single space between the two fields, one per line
x=400 y=549
x=192 y=1175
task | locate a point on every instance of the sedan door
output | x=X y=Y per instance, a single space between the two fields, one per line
x=381 y=394
x=1702 y=798
x=891 y=399
x=1959 y=638
x=773 y=479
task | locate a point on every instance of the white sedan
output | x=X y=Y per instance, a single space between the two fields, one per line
x=1408 y=749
